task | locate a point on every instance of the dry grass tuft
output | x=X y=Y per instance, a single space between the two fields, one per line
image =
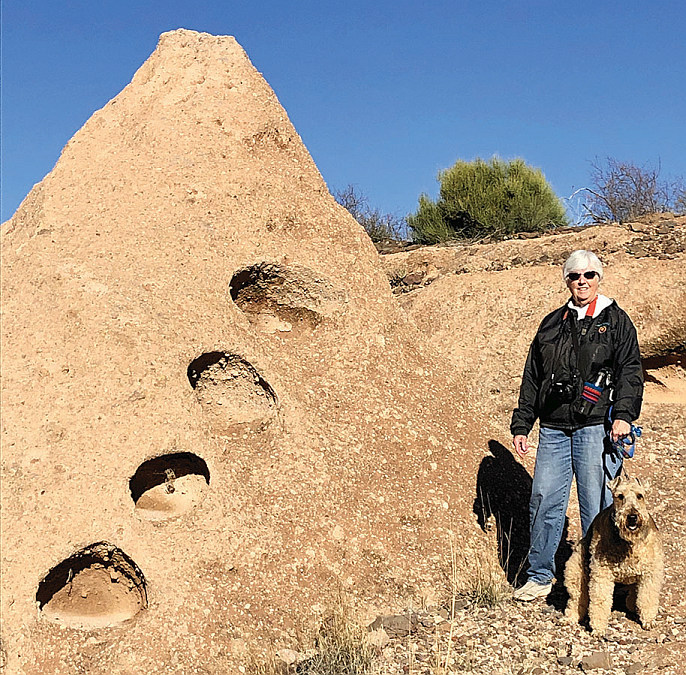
x=340 y=648
x=476 y=574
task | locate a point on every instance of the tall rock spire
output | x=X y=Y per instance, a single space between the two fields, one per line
x=214 y=413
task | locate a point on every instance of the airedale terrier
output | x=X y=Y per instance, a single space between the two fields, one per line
x=622 y=546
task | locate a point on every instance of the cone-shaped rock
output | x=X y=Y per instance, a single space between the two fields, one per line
x=183 y=282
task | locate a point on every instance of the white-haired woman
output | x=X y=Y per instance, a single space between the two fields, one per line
x=583 y=372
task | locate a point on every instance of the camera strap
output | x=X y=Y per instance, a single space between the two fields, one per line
x=575 y=335
x=585 y=323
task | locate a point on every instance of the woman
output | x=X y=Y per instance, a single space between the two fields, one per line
x=583 y=371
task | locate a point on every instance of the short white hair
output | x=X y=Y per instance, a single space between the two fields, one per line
x=582 y=260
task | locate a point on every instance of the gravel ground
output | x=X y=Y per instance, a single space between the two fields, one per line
x=518 y=638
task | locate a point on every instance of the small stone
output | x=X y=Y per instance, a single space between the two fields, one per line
x=596 y=660
x=432 y=273
x=638 y=227
x=288 y=656
x=396 y=625
x=565 y=660
x=638 y=250
x=413 y=278
x=378 y=638
x=634 y=668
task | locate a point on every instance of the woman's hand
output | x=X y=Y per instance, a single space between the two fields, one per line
x=620 y=429
x=521 y=445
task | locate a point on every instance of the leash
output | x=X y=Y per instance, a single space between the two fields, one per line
x=624 y=448
x=627 y=446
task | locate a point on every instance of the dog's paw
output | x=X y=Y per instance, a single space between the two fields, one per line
x=571 y=616
x=648 y=624
x=599 y=632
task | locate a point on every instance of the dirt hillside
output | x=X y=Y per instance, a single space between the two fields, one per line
x=480 y=304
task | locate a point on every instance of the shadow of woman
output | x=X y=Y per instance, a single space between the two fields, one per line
x=503 y=490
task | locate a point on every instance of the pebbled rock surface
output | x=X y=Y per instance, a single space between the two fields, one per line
x=183 y=288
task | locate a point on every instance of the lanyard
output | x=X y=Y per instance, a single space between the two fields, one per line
x=590 y=308
x=590 y=311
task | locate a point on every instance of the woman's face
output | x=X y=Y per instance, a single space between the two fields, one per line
x=582 y=288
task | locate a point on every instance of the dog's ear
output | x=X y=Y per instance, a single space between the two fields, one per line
x=613 y=484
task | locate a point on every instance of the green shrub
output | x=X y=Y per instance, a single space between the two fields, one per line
x=494 y=198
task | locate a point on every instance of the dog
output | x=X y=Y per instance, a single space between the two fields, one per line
x=623 y=546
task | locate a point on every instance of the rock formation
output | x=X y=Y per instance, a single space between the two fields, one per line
x=215 y=414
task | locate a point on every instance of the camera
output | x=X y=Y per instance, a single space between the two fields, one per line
x=565 y=389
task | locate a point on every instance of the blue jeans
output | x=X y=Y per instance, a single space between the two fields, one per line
x=560 y=456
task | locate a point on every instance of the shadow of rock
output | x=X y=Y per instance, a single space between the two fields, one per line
x=503 y=490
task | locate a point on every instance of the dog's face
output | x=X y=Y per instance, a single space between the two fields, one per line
x=630 y=508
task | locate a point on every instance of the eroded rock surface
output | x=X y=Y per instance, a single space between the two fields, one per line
x=183 y=284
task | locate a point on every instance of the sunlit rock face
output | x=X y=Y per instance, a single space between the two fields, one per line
x=215 y=414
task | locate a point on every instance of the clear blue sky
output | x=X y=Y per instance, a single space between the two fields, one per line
x=383 y=93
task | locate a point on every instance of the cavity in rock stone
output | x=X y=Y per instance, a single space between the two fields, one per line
x=98 y=586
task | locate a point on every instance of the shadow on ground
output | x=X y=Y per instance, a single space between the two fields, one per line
x=503 y=490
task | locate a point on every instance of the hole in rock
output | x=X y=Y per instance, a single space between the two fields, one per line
x=665 y=378
x=167 y=486
x=231 y=391
x=96 y=587
x=276 y=298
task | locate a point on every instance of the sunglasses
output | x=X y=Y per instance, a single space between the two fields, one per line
x=575 y=276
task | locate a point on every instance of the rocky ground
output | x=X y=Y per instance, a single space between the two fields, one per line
x=507 y=637
x=518 y=638
x=512 y=638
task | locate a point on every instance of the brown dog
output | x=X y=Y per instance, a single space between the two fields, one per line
x=622 y=546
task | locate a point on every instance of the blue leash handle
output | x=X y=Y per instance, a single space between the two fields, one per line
x=626 y=446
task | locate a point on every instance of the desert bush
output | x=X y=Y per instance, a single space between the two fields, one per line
x=379 y=226
x=680 y=201
x=493 y=198
x=624 y=191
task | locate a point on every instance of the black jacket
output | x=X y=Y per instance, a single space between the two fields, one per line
x=608 y=341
